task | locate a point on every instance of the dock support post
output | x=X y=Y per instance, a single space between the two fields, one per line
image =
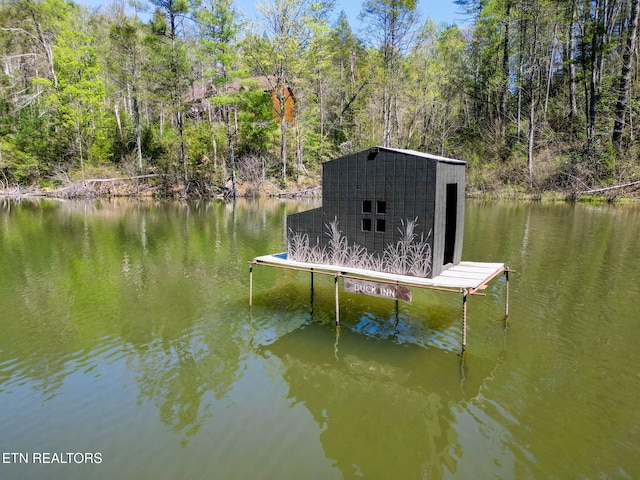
x=250 y=285
x=335 y=282
x=506 y=296
x=312 y=292
x=464 y=319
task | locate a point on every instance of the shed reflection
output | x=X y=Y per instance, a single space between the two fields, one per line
x=408 y=392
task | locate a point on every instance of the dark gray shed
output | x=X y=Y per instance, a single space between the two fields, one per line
x=385 y=209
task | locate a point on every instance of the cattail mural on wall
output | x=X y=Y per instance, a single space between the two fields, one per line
x=409 y=256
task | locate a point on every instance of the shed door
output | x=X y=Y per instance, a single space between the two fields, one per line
x=451 y=219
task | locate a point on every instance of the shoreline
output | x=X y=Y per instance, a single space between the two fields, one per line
x=117 y=188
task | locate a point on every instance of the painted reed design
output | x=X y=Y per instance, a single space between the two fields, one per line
x=409 y=256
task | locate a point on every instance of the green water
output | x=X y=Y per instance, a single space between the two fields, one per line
x=125 y=333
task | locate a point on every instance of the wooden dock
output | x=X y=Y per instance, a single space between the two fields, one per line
x=465 y=278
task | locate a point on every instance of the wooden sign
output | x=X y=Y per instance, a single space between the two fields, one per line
x=377 y=289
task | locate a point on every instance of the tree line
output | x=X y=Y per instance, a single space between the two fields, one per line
x=534 y=94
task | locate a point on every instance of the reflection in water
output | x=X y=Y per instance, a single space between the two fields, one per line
x=379 y=415
x=177 y=374
x=124 y=329
x=152 y=282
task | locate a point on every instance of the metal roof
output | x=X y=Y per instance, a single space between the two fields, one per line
x=424 y=155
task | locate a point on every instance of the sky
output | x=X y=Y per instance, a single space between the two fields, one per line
x=438 y=10
x=445 y=11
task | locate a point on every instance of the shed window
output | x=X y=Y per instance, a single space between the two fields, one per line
x=378 y=221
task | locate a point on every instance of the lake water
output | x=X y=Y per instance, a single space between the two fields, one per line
x=127 y=350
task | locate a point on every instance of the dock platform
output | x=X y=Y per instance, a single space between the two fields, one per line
x=465 y=278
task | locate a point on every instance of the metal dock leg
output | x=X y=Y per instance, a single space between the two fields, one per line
x=335 y=281
x=506 y=296
x=250 y=285
x=464 y=319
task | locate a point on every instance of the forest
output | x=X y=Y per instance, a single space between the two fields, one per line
x=188 y=98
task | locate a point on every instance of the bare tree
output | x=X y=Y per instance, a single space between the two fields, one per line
x=392 y=24
x=625 y=75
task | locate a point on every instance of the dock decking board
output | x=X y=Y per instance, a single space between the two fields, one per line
x=465 y=275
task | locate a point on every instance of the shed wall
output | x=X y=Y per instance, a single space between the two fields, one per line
x=373 y=194
x=448 y=174
x=405 y=183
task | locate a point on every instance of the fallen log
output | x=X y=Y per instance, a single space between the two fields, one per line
x=311 y=192
x=606 y=189
x=120 y=179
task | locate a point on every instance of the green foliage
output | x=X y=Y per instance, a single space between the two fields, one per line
x=520 y=93
x=80 y=93
x=255 y=117
x=27 y=147
x=153 y=148
x=17 y=166
x=199 y=148
x=158 y=24
x=218 y=31
x=107 y=146
x=167 y=71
